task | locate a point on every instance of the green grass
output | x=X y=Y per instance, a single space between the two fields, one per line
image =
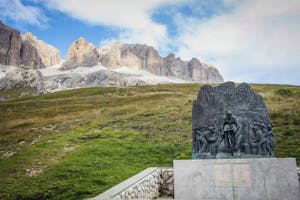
x=76 y=144
x=20 y=90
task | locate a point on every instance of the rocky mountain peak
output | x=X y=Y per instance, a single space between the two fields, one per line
x=48 y=54
x=25 y=50
x=171 y=56
x=134 y=60
x=81 y=40
x=29 y=36
x=141 y=56
x=10 y=45
x=81 y=54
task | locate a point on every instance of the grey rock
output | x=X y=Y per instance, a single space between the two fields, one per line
x=101 y=78
x=62 y=82
x=10 y=45
x=30 y=57
x=145 y=57
x=28 y=81
x=109 y=78
x=18 y=52
x=236 y=179
x=48 y=54
x=230 y=121
x=81 y=54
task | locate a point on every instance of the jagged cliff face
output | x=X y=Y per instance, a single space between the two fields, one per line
x=25 y=50
x=81 y=54
x=10 y=45
x=25 y=62
x=144 y=57
x=30 y=56
x=137 y=57
x=48 y=54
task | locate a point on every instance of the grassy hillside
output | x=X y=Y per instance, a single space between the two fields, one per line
x=76 y=144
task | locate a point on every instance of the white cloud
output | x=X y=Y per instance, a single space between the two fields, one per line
x=248 y=40
x=14 y=10
x=258 y=41
x=133 y=16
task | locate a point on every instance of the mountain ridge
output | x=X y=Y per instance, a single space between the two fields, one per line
x=114 y=64
x=146 y=57
x=25 y=50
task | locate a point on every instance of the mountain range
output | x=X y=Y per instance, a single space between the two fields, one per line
x=32 y=64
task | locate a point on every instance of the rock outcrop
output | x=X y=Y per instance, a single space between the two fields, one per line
x=18 y=82
x=81 y=54
x=101 y=78
x=10 y=45
x=116 y=64
x=29 y=56
x=143 y=57
x=27 y=50
x=48 y=54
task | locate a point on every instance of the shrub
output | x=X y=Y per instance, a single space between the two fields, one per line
x=284 y=92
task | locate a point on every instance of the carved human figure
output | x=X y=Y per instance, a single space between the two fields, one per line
x=212 y=138
x=239 y=118
x=270 y=140
x=230 y=128
x=201 y=140
x=258 y=139
x=206 y=140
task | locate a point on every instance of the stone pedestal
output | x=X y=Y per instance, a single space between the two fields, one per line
x=238 y=179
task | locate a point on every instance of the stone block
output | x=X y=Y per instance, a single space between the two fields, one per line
x=237 y=179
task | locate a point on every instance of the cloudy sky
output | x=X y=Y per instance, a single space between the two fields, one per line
x=247 y=40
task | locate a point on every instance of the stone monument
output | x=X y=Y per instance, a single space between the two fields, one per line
x=231 y=122
x=233 y=150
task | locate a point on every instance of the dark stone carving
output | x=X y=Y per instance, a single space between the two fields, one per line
x=231 y=122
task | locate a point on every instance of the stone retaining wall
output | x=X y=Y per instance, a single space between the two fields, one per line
x=152 y=183
x=167 y=182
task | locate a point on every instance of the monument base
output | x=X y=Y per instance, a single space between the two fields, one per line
x=237 y=179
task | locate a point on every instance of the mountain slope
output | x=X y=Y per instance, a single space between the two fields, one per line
x=76 y=144
x=116 y=64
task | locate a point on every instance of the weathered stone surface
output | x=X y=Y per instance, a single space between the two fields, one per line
x=81 y=54
x=20 y=77
x=101 y=78
x=230 y=121
x=144 y=185
x=236 y=179
x=10 y=45
x=166 y=187
x=145 y=57
x=27 y=50
x=48 y=54
x=152 y=183
x=30 y=57
x=108 y=78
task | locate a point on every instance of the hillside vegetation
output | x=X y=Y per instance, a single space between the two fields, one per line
x=76 y=144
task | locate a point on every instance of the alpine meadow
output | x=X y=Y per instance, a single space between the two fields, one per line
x=78 y=143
